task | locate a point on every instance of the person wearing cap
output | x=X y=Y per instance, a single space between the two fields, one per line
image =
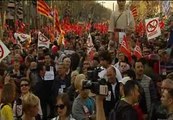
x=83 y=107
x=121 y=20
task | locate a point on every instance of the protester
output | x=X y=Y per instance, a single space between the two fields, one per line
x=8 y=96
x=88 y=46
x=167 y=102
x=63 y=107
x=123 y=109
x=17 y=105
x=71 y=91
x=147 y=85
x=113 y=91
x=30 y=105
x=158 y=111
x=83 y=105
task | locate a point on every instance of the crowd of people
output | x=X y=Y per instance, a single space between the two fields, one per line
x=37 y=83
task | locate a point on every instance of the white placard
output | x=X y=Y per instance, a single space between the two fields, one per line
x=152 y=28
x=43 y=41
x=4 y=51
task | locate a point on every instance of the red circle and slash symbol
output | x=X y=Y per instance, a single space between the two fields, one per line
x=42 y=38
x=1 y=52
x=152 y=25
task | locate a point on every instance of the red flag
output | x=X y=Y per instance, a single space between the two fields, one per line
x=124 y=48
x=44 y=9
x=134 y=11
x=137 y=50
x=57 y=23
x=162 y=24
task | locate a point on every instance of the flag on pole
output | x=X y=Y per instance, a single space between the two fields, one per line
x=90 y=47
x=22 y=37
x=57 y=23
x=4 y=51
x=137 y=50
x=124 y=48
x=44 y=9
x=134 y=11
x=43 y=41
x=58 y=27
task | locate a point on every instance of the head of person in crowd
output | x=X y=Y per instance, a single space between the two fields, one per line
x=67 y=63
x=63 y=106
x=32 y=51
x=30 y=105
x=41 y=69
x=8 y=93
x=24 y=86
x=40 y=52
x=17 y=57
x=164 y=56
x=17 y=49
x=121 y=4
x=122 y=83
x=101 y=49
x=105 y=59
x=146 y=51
x=129 y=73
x=16 y=65
x=139 y=68
x=131 y=91
x=111 y=75
x=86 y=66
x=95 y=62
x=33 y=66
x=61 y=69
x=160 y=51
x=112 y=51
x=166 y=84
x=47 y=59
x=123 y=66
x=121 y=57
x=170 y=76
x=167 y=102
x=73 y=76
x=84 y=93
x=28 y=61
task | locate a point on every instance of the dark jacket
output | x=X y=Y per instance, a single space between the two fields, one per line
x=123 y=111
x=109 y=104
x=59 y=86
x=157 y=112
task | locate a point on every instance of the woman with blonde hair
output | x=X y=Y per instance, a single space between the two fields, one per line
x=30 y=105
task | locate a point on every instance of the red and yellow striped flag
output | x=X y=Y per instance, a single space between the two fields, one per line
x=44 y=9
x=134 y=11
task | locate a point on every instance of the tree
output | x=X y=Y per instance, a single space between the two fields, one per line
x=3 y=7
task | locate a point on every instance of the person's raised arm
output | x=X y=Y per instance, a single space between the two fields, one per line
x=100 y=114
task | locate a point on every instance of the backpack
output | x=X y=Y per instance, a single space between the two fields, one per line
x=117 y=112
x=112 y=115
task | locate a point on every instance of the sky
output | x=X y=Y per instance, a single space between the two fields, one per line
x=108 y=4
